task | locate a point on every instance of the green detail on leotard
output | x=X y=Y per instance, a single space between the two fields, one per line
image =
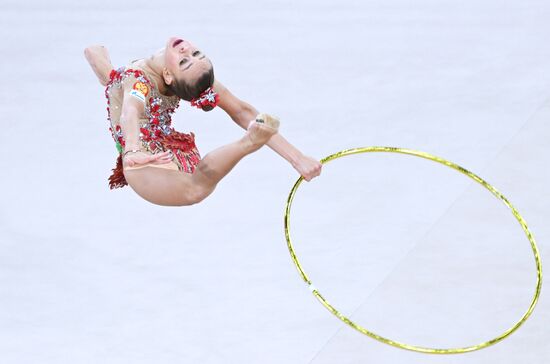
x=118 y=147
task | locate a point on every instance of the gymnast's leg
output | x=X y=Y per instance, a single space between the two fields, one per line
x=217 y=164
x=173 y=188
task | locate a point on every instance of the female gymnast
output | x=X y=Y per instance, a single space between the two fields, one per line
x=161 y=165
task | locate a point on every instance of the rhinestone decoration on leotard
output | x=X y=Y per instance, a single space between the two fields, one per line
x=157 y=112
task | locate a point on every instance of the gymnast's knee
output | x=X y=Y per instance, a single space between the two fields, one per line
x=197 y=194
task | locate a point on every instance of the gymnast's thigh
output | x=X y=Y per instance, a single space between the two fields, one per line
x=162 y=186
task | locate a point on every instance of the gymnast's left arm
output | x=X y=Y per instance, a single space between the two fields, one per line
x=242 y=113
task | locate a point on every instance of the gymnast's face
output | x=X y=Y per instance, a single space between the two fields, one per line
x=183 y=61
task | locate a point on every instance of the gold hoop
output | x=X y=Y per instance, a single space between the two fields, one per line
x=386 y=340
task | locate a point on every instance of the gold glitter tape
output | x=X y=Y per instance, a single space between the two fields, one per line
x=400 y=345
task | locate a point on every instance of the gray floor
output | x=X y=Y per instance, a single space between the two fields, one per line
x=406 y=247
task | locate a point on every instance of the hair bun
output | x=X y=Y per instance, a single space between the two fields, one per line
x=207 y=100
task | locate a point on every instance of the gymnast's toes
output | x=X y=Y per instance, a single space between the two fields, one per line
x=262 y=129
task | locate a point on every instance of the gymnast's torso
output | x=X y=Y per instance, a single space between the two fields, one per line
x=156 y=132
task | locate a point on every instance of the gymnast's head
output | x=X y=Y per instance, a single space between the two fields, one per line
x=187 y=72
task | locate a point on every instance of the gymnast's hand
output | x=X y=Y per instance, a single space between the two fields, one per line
x=140 y=158
x=308 y=167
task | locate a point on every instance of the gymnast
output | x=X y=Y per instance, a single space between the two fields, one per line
x=160 y=164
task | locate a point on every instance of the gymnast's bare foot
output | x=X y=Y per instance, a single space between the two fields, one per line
x=261 y=130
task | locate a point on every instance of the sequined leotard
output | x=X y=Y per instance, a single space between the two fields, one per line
x=156 y=133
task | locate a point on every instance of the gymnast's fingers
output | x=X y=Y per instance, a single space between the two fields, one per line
x=163 y=154
x=163 y=158
x=155 y=157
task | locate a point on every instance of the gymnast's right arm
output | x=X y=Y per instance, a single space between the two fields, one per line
x=133 y=106
x=132 y=110
x=98 y=58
